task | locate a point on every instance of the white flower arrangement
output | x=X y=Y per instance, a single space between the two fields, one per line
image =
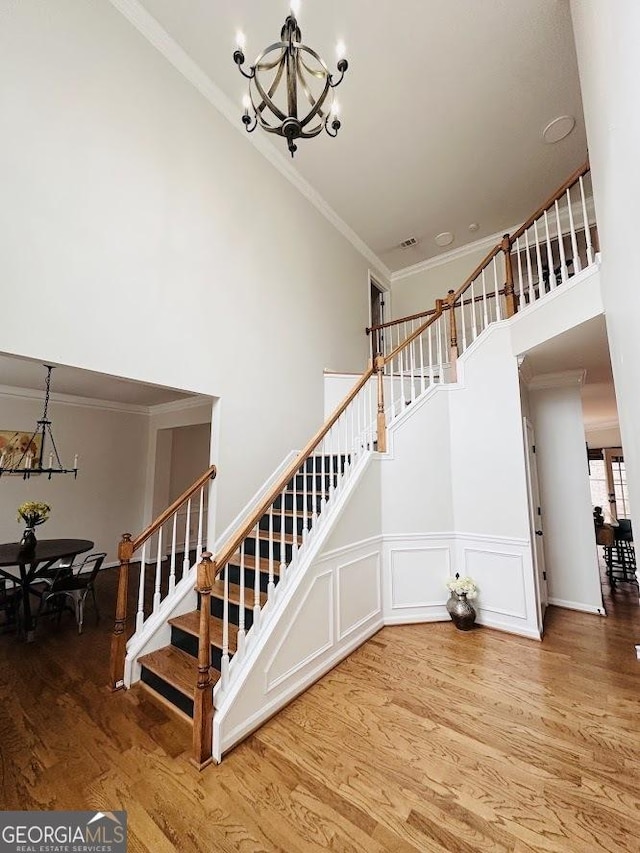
x=463 y=585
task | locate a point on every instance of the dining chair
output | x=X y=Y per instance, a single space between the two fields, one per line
x=75 y=582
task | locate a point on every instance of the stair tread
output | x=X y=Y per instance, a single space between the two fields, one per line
x=250 y=563
x=217 y=590
x=190 y=622
x=176 y=668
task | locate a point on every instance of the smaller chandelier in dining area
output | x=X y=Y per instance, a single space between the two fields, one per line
x=24 y=453
x=291 y=90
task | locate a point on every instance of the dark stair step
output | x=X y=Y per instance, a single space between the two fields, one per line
x=172 y=674
x=320 y=481
x=216 y=604
x=263 y=545
x=233 y=568
x=339 y=463
x=288 y=501
x=185 y=631
x=278 y=518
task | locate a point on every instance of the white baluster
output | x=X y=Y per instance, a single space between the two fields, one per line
x=496 y=288
x=412 y=366
x=200 y=549
x=156 y=591
x=440 y=349
x=522 y=299
x=393 y=390
x=305 y=507
x=577 y=265
x=430 y=352
x=283 y=530
x=587 y=229
x=314 y=488
x=538 y=259
x=464 y=324
x=256 y=584
x=402 y=397
x=186 y=560
x=294 y=509
x=224 y=660
x=421 y=350
x=272 y=586
x=563 y=260
x=172 y=564
x=242 y=633
x=484 y=302
x=473 y=311
x=140 y=613
x=532 y=291
x=550 y=261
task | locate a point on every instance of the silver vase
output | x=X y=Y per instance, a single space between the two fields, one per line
x=462 y=612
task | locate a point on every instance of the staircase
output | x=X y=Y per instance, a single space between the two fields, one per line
x=182 y=656
x=171 y=672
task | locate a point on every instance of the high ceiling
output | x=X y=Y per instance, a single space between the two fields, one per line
x=443 y=107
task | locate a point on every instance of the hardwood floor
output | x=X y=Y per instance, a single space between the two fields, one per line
x=425 y=739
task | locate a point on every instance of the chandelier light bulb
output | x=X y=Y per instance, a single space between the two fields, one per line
x=294 y=6
x=341 y=50
x=246 y=103
x=240 y=40
x=335 y=109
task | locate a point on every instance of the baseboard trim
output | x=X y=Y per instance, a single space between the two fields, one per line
x=577 y=605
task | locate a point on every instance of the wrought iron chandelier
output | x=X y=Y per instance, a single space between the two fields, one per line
x=18 y=455
x=290 y=88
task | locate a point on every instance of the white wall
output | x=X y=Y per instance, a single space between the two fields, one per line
x=569 y=541
x=606 y=37
x=107 y=498
x=156 y=243
x=418 y=292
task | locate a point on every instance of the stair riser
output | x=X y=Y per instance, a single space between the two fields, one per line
x=250 y=549
x=321 y=482
x=168 y=691
x=249 y=578
x=217 y=609
x=314 y=463
x=277 y=523
x=189 y=643
x=288 y=502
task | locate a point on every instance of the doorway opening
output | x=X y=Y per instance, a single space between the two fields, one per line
x=377 y=314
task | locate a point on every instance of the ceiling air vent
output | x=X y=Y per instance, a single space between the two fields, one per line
x=410 y=241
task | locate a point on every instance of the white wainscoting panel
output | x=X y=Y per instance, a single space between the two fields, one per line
x=359 y=594
x=417 y=569
x=503 y=569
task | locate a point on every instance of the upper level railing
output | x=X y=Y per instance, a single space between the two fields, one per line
x=555 y=243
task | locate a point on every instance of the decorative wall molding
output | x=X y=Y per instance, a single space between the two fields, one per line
x=156 y=35
x=8 y=391
x=343 y=632
x=181 y=405
x=563 y=379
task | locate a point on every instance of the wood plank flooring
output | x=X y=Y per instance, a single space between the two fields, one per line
x=426 y=739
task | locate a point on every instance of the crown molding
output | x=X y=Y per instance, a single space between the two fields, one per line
x=180 y=405
x=597 y=426
x=156 y=35
x=9 y=391
x=563 y=379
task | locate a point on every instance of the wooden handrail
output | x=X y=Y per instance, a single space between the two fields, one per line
x=575 y=176
x=209 y=474
x=571 y=180
x=402 y=320
x=234 y=541
x=436 y=316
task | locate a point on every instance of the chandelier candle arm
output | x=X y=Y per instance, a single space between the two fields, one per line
x=284 y=77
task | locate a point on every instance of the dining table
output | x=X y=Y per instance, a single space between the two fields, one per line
x=33 y=564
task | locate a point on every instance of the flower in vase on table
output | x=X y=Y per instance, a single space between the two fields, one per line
x=33 y=513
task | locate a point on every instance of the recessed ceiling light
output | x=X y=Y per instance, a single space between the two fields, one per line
x=474 y=227
x=444 y=239
x=558 y=129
